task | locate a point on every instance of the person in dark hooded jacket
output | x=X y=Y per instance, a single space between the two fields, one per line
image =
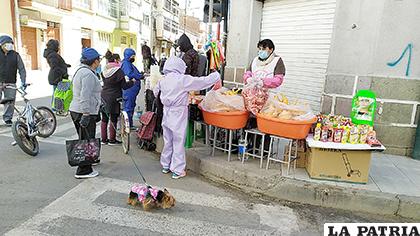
x=190 y=56
x=58 y=67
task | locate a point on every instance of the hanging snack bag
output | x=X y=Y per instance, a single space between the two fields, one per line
x=363 y=108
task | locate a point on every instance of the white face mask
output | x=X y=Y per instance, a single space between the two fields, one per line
x=9 y=46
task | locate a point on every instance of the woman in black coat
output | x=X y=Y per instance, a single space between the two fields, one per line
x=58 y=67
x=114 y=82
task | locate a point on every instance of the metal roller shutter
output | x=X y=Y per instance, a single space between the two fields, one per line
x=301 y=31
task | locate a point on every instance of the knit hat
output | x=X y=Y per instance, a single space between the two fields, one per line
x=89 y=54
x=5 y=39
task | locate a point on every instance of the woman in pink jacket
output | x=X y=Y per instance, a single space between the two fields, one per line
x=174 y=89
x=267 y=66
x=270 y=69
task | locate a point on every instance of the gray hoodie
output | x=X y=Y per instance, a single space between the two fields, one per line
x=86 y=91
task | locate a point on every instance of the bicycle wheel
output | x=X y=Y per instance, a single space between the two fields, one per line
x=46 y=121
x=125 y=133
x=28 y=144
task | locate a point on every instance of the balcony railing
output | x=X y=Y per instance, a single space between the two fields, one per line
x=59 y=4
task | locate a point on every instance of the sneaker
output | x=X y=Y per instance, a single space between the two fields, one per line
x=86 y=176
x=166 y=170
x=8 y=123
x=104 y=142
x=96 y=163
x=114 y=142
x=133 y=128
x=178 y=176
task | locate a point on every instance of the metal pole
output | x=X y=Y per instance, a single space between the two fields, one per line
x=416 y=149
x=210 y=17
x=18 y=32
x=151 y=25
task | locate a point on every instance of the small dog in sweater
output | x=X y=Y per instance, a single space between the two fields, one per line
x=150 y=198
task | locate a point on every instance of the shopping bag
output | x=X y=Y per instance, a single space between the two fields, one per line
x=83 y=152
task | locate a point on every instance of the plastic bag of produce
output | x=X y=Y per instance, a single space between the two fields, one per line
x=222 y=100
x=278 y=106
x=255 y=95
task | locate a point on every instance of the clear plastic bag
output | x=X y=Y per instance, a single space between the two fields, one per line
x=218 y=101
x=255 y=95
x=277 y=106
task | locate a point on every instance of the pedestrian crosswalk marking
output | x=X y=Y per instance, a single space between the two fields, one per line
x=80 y=203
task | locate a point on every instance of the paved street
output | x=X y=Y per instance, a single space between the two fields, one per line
x=40 y=196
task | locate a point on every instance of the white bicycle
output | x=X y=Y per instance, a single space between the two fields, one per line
x=31 y=122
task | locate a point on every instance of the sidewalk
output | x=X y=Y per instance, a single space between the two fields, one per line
x=393 y=187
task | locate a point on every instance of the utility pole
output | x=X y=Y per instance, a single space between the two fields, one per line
x=210 y=30
x=152 y=31
x=17 y=24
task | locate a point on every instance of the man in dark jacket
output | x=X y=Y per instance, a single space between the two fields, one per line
x=58 y=67
x=10 y=63
x=146 y=53
x=190 y=56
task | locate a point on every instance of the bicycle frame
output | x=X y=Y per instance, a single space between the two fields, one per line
x=27 y=115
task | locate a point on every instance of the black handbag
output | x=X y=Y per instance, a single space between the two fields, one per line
x=83 y=152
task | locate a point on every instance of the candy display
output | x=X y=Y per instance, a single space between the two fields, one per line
x=340 y=129
x=255 y=96
x=223 y=100
x=278 y=106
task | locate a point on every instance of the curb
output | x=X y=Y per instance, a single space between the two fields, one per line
x=249 y=178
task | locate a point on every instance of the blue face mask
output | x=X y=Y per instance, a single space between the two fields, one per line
x=262 y=54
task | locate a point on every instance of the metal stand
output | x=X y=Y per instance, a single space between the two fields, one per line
x=225 y=145
x=254 y=154
x=292 y=156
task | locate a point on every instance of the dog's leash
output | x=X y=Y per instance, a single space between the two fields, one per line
x=134 y=162
x=138 y=170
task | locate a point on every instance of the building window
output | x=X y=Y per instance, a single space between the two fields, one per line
x=174 y=27
x=105 y=37
x=131 y=41
x=167 y=24
x=123 y=7
x=175 y=7
x=146 y=19
x=83 y=4
x=123 y=39
x=134 y=9
x=167 y=5
x=108 y=8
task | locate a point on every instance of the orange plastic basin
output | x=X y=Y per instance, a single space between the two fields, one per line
x=292 y=129
x=226 y=120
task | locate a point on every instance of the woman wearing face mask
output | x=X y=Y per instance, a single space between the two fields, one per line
x=84 y=108
x=267 y=66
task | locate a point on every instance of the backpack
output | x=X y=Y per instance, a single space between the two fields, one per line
x=63 y=95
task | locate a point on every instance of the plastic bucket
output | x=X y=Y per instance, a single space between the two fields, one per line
x=226 y=120
x=292 y=129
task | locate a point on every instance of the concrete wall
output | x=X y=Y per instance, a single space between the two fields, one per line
x=6 y=18
x=367 y=36
x=243 y=36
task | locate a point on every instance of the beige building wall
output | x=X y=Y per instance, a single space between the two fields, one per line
x=6 y=25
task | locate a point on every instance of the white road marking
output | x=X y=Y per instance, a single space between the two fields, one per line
x=79 y=203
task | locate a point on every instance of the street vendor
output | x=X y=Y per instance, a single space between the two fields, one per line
x=265 y=74
x=267 y=66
